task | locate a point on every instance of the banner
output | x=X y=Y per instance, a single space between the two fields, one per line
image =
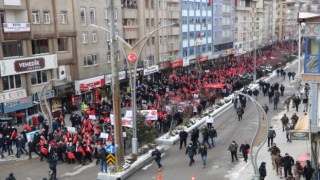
x=71 y=129
x=127 y=122
x=150 y=114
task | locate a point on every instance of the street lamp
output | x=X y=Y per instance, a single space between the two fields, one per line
x=46 y=112
x=264 y=122
x=131 y=54
x=254 y=38
x=301 y=27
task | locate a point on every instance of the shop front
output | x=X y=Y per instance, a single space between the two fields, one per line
x=150 y=71
x=65 y=92
x=139 y=74
x=17 y=109
x=85 y=89
x=106 y=92
x=164 y=70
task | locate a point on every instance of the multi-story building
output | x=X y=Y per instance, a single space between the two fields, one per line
x=38 y=43
x=280 y=20
x=223 y=27
x=195 y=31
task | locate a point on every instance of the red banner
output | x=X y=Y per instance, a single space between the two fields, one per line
x=95 y=95
x=177 y=63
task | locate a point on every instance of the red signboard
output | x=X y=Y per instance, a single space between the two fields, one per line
x=95 y=95
x=86 y=85
x=177 y=63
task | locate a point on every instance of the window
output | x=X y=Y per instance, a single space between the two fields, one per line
x=147 y=22
x=108 y=57
x=83 y=16
x=118 y=55
x=46 y=17
x=35 y=17
x=62 y=44
x=90 y=60
x=146 y=4
x=152 y=4
x=12 y=48
x=40 y=46
x=84 y=37
x=94 y=37
x=64 y=17
x=11 y=82
x=152 y=22
x=152 y=40
x=108 y=36
x=92 y=16
x=39 y=77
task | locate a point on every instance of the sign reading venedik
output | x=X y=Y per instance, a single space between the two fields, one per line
x=26 y=65
x=29 y=64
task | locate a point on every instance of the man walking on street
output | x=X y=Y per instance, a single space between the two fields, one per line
x=278 y=165
x=288 y=129
x=271 y=135
x=244 y=148
x=213 y=135
x=205 y=136
x=287 y=162
x=183 y=135
x=285 y=121
x=296 y=102
x=274 y=150
x=239 y=113
x=156 y=154
x=233 y=148
x=209 y=121
x=203 y=152
x=191 y=151
x=282 y=89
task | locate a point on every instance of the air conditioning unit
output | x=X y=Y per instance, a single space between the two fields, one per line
x=62 y=72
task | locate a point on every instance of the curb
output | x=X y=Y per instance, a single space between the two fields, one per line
x=138 y=164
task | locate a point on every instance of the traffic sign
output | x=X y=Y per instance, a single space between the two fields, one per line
x=110 y=159
x=254 y=38
x=110 y=149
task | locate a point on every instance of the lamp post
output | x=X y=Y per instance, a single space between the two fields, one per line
x=254 y=38
x=300 y=27
x=263 y=124
x=44 y=103
x=131 y=54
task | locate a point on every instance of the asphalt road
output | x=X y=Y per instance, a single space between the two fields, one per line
x=219 y=166
x=175 y=162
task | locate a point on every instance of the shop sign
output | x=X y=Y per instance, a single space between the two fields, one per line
x=87 y=84
x=16 y=105
x=296 y=135
x=49 y=94
x=229 y=52
x=202 y=59
x=186 y=62
x=177 y=63
x=12 y=95
x=108 y=77
x=29 y=64
x=16 y=27
x=56 y=105
x=26 y=65
x=150 y=114
x=63 y=89
x=164 y=65
x=151 y=70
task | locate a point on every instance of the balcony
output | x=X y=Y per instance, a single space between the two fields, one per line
x=130 y=31
x=240 y=8
x=130 y=13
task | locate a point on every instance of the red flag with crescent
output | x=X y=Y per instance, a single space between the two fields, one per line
x=14 y=134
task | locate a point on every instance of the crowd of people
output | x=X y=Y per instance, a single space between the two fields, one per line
x=84 y=142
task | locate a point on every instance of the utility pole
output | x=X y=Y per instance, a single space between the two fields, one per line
x=116 y=90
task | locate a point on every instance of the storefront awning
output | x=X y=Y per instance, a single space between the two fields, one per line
x=301 y=130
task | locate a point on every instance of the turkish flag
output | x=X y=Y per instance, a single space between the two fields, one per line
x=71 y=155
x=43 y=150
x=75 y=139
x=88 y=149
x=80 y=150
x=14 y=134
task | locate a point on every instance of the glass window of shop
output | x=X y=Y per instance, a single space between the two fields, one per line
x=11 y=82
x=40 y=46
x=12 y=48
x=39 y=77
x=33 y=110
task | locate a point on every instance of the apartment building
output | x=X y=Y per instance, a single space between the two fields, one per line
x=38 y=43
x=280 y=17
x=196 y=28
x=223 y=23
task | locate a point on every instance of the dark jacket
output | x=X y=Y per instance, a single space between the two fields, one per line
x=1 y=142
x=183 y=135
x=103 y=155
x=262 y=171
x=233 y=147
x=287 y=161
x=244 y=148
x=202 y=150
x=156 y=154
x=213 y=133
x=191 y=150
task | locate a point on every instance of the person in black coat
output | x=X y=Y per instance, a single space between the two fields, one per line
x=21 y=146
x=53 y=158
x=203 y=152
x=308 y=170
x=194 y=138
x=244 y=149
x=287 y=163
x=1 y=145
x=32 y=148
x=191 y=151
x=262 y=171
x=183 y=135
x=156 y=154
x=8 y=144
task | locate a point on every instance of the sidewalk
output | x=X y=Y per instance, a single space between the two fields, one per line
x=244 y=171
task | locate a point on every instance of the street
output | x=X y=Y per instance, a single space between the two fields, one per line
x=175 y=162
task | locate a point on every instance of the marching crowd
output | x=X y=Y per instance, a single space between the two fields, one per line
x=80 y=145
